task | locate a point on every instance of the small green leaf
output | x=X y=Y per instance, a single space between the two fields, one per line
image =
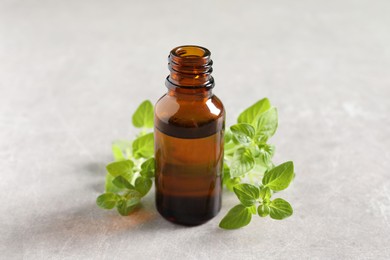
x=263 y=210
x=266 y=125
x=279 y=177
x=143 y=185
x=239 y=216
x=280 y=209
x=124 y=207
x=243 y=132
x=265 y=193
x=128 y=202
x=120 y=168
x=229 y=149
x=121 y=149
x=253 y=209
x=226 y=169
x=227 y=136
x=117 y=153
x=242 y=162
x=122 y=183
x=259 y=168
x=255 y=151
x=143 y=116
x=107 y=200
x=250 y=114
x=109 y=186
x=266 y=152
x=247 y=193
x=227 y=179
x=147 y=168
x=231 y=182
x=143 y=146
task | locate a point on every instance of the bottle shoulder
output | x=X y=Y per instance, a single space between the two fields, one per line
x=210 y=107
x=206 y=114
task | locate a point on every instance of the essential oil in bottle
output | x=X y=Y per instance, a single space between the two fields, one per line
x=189 y=129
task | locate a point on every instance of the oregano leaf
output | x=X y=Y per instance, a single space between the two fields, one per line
x=239 y=216
x=143 y=185
x=147 y=168
x=143 y=146
x=120 y=168
x=266 y=125
x=265 y=193
x=128 y=202
x=266 y=153
x=246 y=193
x=143 y=116
x=122 y=183
x=250 y=114
x=227 y=136
x=279 y=178
x=121 y=149
x=280 y=209
x=227 y=179
x=107 y=200
x=242 y=162
x=263 y=210
x=243 y=132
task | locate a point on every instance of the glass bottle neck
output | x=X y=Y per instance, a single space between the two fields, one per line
x=190 y=71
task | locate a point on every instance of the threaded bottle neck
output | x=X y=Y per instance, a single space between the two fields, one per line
x=190 y=68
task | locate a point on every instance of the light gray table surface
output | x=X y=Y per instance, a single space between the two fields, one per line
x=72 y=73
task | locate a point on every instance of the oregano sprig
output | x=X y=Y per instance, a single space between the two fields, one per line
x=129 y=178
x=248 y=168
x=259 y=197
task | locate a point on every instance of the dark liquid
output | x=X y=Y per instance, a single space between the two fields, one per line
x=188 y=171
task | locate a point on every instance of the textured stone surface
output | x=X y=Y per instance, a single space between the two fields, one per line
x=72 y=72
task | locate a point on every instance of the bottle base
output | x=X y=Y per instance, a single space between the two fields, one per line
x=185 y=222
x=188 y=211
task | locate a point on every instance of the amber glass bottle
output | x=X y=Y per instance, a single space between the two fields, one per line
x=189 y=129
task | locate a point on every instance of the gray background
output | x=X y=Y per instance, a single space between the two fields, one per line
x=72 y=73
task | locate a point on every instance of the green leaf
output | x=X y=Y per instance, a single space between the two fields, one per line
x=243 y=132
x=229 y=148
x=266 y=125
x=242 y=162
x=227 y=179
x=122 y=183
x=143 y=185
x=250 y=114
x=147 y=168
x=227 y=136
x=265 y=193
x=239 y=216
x=143 y=146
x=117 y=153
x=143 y=116
x=121 y=149
x=255 y=151
x=259 y=168
x=253 y=209
x=266 y=153
x=124 y=207
x=247 y=193
x=128 y=202
x=280 y=209
x=120 y=168
x=263 y=210
x=109 y=186
x=107 y=200
x=279 y=177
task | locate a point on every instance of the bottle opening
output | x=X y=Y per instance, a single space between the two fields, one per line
x=190 y=51
x=190 y=67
